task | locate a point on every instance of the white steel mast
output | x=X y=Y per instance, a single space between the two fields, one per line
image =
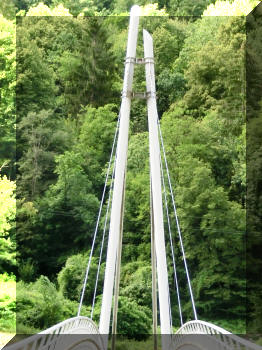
x=154 y=150
x=120 y=170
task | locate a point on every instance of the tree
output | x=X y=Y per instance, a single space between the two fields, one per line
x=7 y=9
x=96 y=124
x=35 y=85
x=71 y=278
x=67 y=215
x=7 y=96
x=231 y=8
x=7 y=216
x=76 y=7
x=87 y=73
x=66 y=129
x=37 y=164
x=186 y=8
x=39 y=306
x=67 y=209
x=134 y=321
x=27 y=4
x=208 y=219
x=26 y=218
x=254 y=168
x=7 y=203
x=215 y=74
x=136 y=282
x=137 y=200
x=65 y=36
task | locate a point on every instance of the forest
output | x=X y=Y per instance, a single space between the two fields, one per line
x=61 y=73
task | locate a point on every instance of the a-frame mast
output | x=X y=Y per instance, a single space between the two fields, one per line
x=119 y=183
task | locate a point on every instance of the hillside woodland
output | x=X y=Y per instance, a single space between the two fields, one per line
x=61 y=71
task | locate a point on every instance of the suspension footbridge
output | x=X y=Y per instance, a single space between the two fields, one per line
x=82 y=332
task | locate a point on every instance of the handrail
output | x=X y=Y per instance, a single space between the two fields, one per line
x=199 y=325
x=220 y=336
x=81 y=324
x=81 y=320
x=215 y=336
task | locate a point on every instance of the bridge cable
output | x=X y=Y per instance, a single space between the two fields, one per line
x=103 y=238
x=171 y=243
x=98 y=218
x=178 y=226
x=162 y=180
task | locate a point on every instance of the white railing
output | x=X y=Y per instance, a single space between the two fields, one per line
x=81 y=329
x=197 y=334
x=208 y=336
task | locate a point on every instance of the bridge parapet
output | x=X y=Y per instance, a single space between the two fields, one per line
x=69 y=334
x=80 y=333
x=205 y=336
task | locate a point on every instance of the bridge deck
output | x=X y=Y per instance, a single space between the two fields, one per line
x=82 y=333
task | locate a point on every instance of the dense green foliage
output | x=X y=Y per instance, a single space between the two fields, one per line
x=7 y=216
x=7 y=105
x=7 y=303
x=39 y=304
x=69 y=78
x=254 y=203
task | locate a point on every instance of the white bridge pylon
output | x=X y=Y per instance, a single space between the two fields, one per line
x=120 y=170
x=113 y=250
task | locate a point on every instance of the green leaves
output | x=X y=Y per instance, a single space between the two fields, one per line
x=66 y=88
x=134 y=321
x=214 y=69
x=87 y=70
x=137 y=282
x=202 y=158
x=39 y=306
x=7 y=216
x=35 y=85
x=7 y=303
x=7 y=94
x=71 y=278
x=7 y=205
x=186 y=8
x=42 y=144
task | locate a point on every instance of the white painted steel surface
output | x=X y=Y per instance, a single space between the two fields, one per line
x=83 y=329
x=213 y=338
x=121 y=159
x=155 y=173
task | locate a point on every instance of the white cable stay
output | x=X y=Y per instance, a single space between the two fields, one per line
x=98 y=218
x=103 y=240
x=178 y=226
x=171 y=244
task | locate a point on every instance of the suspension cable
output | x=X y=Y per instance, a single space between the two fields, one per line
x=178 y=226
x=103 y=239
x=171 y=243
x=98 y=219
